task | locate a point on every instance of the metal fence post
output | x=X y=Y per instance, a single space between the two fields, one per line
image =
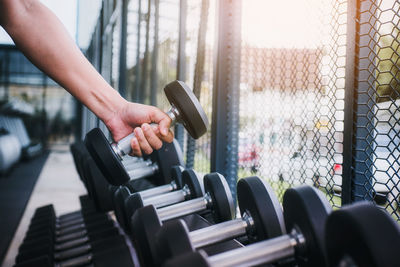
x=348 y=174
x=364 y=104
x=143 y=83
x=225 y=118
x=136 y=94
x=122 y=49
x=181 y=68
x=154 y=56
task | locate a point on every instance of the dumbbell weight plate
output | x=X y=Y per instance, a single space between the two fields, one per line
x=100 y=187
x=365 y=234
x=193 y=117
x=263 y=207
x=145 y=229
x=222 y=203
x=306 y=208
x=105 y=157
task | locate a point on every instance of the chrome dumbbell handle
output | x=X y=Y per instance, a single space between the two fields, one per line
x=168 y=198
x=159 y=190
x=123 y=147
x=143 y=172
x=264 y=252
x=184 y=208
x=221 y=231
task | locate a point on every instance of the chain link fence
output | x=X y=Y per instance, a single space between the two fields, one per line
x=376 y=105
x=292 y=94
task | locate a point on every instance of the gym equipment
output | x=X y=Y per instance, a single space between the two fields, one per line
x=102 y=254
x=156 y=167
x=147 y=221
x=10 y=151
x=261 y=219
x=185 y=109
x=126 y=204
x=305 y=212
x=361 y=234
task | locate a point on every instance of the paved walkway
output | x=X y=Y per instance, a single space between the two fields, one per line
x=58 y=184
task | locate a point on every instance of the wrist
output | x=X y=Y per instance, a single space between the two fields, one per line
x=109 y=104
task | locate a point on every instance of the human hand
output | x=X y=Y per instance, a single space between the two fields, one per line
x=133 y=117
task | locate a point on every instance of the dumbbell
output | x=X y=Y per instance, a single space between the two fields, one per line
x=121 y=256
x=73 y=229
x=305 y=212
x=362 y=234
x=185 y=109
x=261 y=218
x=147 y=221
x=49 y=222
x=126 y=203
x=71 y=256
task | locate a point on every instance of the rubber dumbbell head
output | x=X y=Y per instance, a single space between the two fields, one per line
x=362 y=234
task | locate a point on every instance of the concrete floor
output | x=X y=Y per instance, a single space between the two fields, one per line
x=58 y=184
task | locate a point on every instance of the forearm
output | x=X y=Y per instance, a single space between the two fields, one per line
x=44 y=40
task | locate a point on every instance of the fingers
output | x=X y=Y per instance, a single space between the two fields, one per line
x=163 y=121
x=136 y=151
x=146 y=140
x=150 y=136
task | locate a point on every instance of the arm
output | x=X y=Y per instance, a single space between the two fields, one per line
x=43 y=39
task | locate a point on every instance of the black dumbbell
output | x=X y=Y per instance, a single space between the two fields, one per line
x=50 y=241
x=305 y=211
x=67 y=227
x=185 y=109
x=126 y=203
x=261 y=218
x=71 y=256
x=361 y=234
x=147 y=221
x=106 y=258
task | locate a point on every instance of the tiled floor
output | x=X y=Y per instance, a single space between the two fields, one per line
x=58 y=184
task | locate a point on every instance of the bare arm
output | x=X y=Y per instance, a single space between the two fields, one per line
x=39 y=34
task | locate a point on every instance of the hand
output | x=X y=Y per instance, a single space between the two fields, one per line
x=133 y=117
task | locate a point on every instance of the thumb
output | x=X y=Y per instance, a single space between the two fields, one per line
x=163 y=121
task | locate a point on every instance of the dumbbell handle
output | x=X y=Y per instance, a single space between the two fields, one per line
x=78 y=261
x=72 y=252
x=143 y=172
x=123 y=147
x=218 y=232
x=71 y=236
x=138 y=164
x=184 y=208
x=72 y=243
x=264 y=252
x=168 y=198
x=159 y=190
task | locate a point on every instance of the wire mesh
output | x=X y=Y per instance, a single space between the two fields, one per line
x=292 y=94
x=376 y=151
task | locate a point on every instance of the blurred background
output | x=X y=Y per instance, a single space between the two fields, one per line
x=297 y=91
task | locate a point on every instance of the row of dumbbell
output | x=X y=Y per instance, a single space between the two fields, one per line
x=126 y=210
x=85 y=237
x=184 y=195
x=356 y=235
x=155 y=247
